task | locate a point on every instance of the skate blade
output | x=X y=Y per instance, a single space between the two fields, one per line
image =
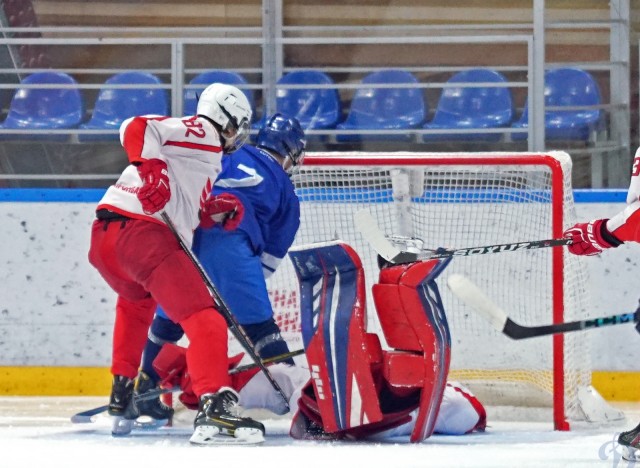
x=211 y=435
x=630 y=454
x=121 y=427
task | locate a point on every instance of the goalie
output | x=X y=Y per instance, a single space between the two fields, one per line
x=357 y=389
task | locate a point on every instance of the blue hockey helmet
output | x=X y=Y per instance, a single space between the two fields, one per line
x=283 y=136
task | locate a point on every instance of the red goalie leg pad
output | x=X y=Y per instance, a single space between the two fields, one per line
x=404 y=372
x=336 y=344
x=413 y=320
x=307 y=422
x=171 y=365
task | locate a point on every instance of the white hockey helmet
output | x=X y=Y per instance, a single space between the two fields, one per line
x=228 y=107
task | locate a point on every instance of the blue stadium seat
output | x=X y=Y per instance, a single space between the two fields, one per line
x=385 y=108
x=567 y=87
x=314 y=108
x=46 y=108
x=210 y=77
x=472 y=108
x=114 y=105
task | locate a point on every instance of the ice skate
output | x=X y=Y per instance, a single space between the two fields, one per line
x=121 y=405
x=152 y=413
x=630 y=443
x=217 y=424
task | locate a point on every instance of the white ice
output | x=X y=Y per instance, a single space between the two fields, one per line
x=36 y=432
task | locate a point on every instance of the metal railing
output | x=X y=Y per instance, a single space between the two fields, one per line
x=175 y=52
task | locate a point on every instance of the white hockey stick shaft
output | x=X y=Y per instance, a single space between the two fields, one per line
x=474 y=297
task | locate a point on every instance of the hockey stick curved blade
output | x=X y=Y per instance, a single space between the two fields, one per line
x=470 y=294
x=465 y=290
x=368 y=227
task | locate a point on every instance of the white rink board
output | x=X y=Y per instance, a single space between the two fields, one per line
x=55 y=309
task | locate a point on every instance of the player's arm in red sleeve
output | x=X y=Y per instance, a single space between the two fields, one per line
x=140 y=140
x=626 y=225
x=142 y=143
x=599 y=234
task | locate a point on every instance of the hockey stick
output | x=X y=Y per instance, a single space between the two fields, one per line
x=271 y=360
x=471 y=295
x=222 y=307
x=366 y=224
x=84 y=417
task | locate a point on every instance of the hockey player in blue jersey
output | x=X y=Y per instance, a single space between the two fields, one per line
x=240 y=251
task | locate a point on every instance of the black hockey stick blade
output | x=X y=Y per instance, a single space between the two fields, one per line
x=85 y=417
x=366 y=224
x=474 y=297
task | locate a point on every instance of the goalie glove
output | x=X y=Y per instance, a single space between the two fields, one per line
x=591 y=238
x=155 y=191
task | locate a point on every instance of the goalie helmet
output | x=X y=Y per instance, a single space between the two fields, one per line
x=283 y=136
x=228 y=107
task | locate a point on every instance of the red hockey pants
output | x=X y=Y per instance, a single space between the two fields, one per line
x=144 y=264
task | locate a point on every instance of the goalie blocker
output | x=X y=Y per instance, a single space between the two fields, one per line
x=357 y=389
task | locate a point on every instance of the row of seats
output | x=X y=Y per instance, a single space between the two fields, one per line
x=371 y=108
x=478 y=108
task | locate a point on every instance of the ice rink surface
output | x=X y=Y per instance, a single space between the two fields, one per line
x=37 y=432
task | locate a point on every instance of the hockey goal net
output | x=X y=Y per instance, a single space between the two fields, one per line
x=455 y=201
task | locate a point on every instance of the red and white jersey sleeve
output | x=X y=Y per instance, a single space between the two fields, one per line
x=192 y=150
x=460 y=413
x=626 y=224
x=259 y=393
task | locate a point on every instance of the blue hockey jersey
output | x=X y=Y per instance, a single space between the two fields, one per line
x=272 y=210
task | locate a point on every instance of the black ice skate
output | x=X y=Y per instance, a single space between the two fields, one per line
x=122 y=406
x=217 y=423
x=153 y=413
x=630 y=442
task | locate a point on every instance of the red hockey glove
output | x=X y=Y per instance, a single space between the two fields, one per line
x=155 y=191
x=591 y=238
x=225 y=208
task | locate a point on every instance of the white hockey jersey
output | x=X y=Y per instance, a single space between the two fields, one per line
x=626 y=224
x=192 y=150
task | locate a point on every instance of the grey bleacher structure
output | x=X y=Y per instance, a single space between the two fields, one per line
x=178 y=54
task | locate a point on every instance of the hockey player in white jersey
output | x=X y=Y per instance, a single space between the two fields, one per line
x=594 y=237
x=173 y=163
x=240 y=252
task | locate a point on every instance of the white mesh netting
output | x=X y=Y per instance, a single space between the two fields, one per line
x=491 y=199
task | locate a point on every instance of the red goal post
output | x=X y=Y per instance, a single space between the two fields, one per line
x=458 y=200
